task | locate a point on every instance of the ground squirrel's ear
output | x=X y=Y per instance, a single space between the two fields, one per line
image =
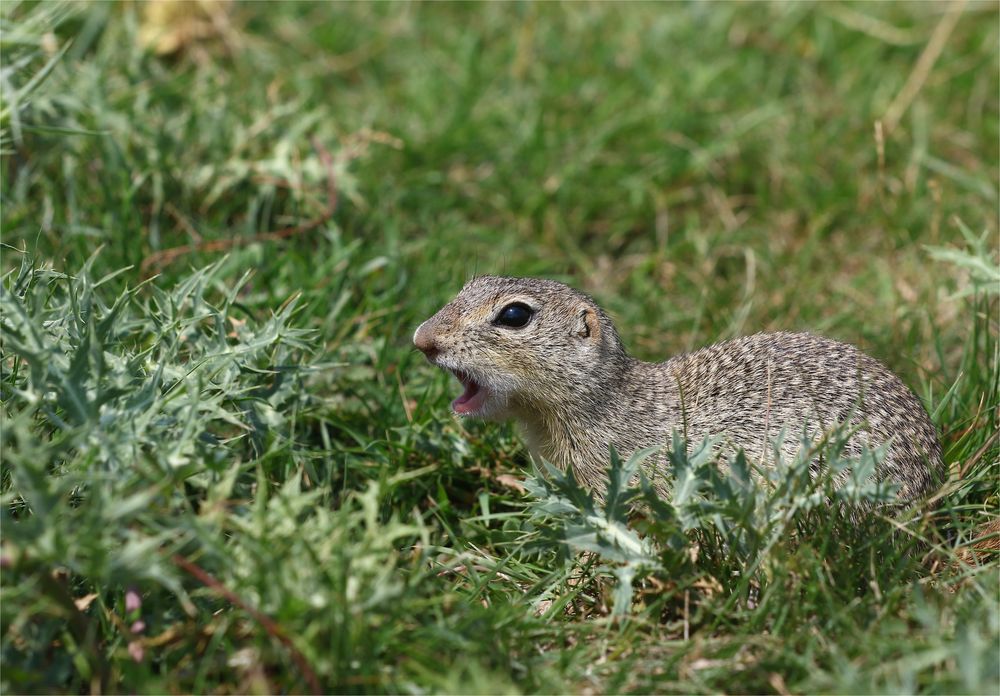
x=587 y=324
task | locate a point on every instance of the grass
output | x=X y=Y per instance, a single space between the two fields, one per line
x=225 y=469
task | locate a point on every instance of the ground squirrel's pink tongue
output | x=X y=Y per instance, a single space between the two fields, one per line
x=471 y=399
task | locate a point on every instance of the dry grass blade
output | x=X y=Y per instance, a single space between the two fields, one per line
x=924 y=65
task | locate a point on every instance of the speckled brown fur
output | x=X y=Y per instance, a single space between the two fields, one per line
x=568 y=381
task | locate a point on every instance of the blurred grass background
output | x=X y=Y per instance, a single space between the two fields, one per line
x=705 y=170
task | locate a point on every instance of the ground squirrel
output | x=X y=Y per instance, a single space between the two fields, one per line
x=549 y=357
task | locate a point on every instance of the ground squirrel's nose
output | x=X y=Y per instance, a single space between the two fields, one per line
x=423 y=339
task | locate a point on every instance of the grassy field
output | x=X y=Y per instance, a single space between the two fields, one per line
x=225 y=468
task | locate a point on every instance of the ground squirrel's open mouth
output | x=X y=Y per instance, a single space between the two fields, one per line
x=472 y=399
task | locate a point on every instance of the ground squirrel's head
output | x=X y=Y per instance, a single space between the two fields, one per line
x=521 y=344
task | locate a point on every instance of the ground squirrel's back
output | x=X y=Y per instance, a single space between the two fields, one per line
x=750 y=388
x=547 y=356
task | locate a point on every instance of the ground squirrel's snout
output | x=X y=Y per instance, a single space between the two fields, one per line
x=476 y=398
x=423 y=339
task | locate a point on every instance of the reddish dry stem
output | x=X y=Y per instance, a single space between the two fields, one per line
x=166 y=256
x=269 y=625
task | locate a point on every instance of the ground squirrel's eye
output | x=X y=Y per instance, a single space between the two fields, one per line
x=515 y=315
